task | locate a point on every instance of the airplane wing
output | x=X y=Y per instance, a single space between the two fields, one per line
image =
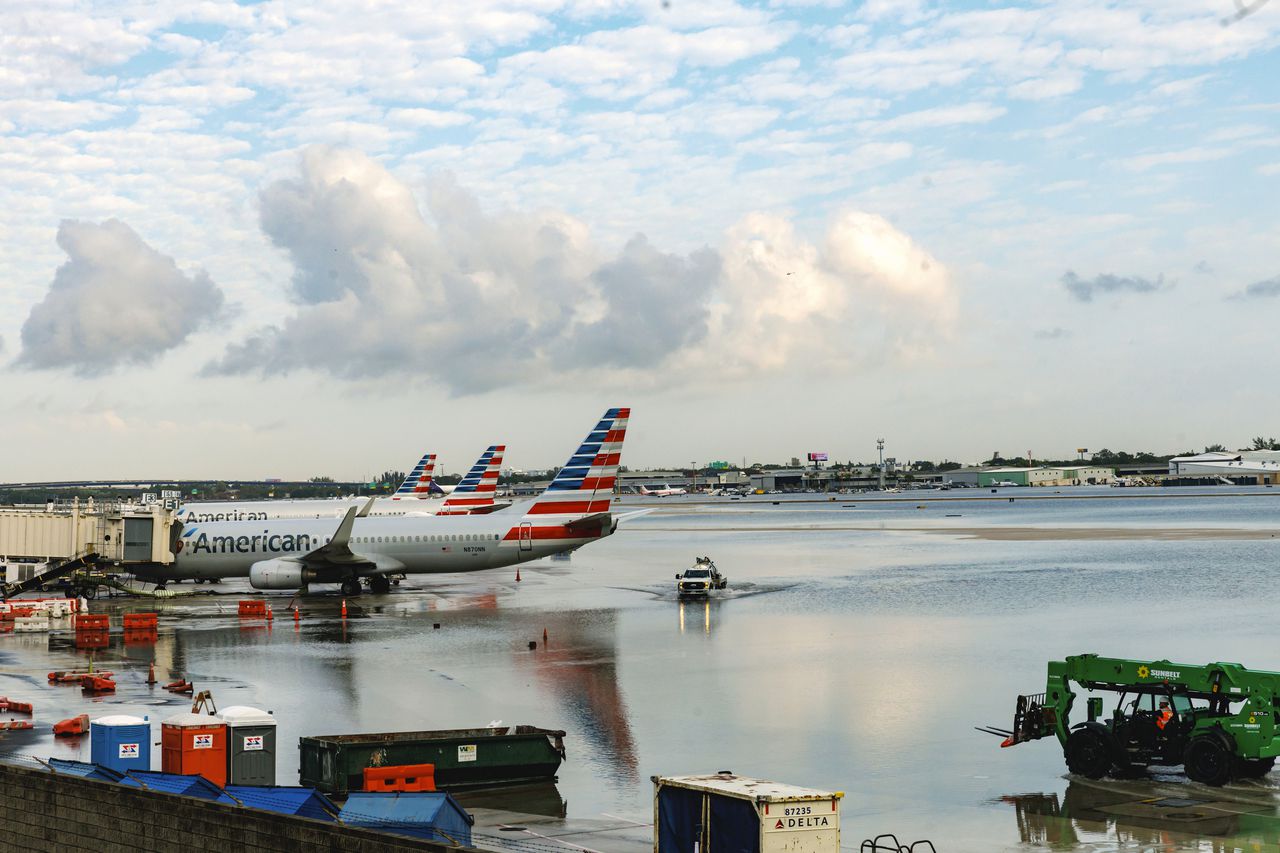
x=598 y=519
x=337 y=551
x=364 y=510
x=627 y=516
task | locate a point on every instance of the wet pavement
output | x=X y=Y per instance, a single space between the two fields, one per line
x=859 y=643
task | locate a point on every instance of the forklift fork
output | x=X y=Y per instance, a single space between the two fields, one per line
x=1032 y=720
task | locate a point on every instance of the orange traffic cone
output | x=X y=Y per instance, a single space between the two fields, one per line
x=270 y=615
x=151 y=673
x=517 y=574
x=344 y=608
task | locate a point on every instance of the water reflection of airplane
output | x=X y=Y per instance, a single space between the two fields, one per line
x=579 y=663
x=1148 y=814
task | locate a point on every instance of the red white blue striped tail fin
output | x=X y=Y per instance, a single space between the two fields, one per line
x=418 y=483
x=584 y=486
x=480 y=485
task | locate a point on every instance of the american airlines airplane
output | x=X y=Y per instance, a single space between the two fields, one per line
x=412 y=498
x=292 y=553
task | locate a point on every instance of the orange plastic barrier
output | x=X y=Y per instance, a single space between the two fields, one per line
x=92 y=622
x=14 y=707
x=97 y=684
x=180 y=686
x=74 y=726
x=253 y=608
x=68 y=677
x=16 y=725
x=400 y=777
x=135 y=621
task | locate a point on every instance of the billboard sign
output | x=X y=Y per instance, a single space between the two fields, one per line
x=817 y=457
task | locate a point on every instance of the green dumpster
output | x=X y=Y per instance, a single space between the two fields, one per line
x=463 y=758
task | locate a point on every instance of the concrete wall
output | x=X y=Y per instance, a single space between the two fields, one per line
x=41 y=810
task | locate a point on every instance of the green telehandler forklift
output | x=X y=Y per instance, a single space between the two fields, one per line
x=1218 y=720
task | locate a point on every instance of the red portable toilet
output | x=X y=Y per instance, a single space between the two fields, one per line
x=195 y=745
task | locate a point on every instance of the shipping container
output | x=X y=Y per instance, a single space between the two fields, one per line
x=724 y=813
x=462 y=757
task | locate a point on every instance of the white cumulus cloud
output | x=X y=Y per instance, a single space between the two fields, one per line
x=115 y=302
x=475 y=300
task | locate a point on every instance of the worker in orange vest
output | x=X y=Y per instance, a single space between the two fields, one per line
x=1166 y=714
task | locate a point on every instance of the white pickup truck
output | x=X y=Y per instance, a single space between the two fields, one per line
x=700 y=580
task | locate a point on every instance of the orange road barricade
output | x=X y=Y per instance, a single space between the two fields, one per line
x=251 y=607
x=401 y=777
x=11 y=706
x=71 y=727
x=92 y=622
x=141 y=621
x=69 y=677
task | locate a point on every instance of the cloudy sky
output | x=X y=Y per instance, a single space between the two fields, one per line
x=284 y=239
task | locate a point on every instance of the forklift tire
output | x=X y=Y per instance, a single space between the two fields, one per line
x=1209 y=761
x=1254 y=768
x=1089 y=752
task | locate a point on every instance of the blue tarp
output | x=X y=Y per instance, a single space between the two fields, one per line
x=735 y=826
x=679 y=819
x=174 y=783
x=84 y=769
x=435 y=816
x=304 y=802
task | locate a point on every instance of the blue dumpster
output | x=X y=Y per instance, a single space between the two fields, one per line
x=120 y=742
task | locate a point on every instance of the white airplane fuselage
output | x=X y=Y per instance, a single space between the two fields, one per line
x=410 y=545
x=193 y=513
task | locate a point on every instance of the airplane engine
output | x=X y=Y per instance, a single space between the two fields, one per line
x=279 y=574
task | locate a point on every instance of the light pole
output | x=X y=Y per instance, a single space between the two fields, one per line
x=880 y=447
x=694 y=465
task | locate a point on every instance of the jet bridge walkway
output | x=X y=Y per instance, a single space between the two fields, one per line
x=40 y=544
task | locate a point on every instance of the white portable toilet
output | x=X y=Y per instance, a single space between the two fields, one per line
x=251 y=746
x=748 y=814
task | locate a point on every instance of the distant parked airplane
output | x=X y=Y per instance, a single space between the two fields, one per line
x=662 y=490
x=412 y=498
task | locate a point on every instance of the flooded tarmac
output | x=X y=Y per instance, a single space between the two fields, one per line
x=859 y=643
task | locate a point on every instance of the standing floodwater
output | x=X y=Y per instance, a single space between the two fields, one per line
x=858 y=644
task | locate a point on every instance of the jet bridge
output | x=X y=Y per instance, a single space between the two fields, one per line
x=37 y=544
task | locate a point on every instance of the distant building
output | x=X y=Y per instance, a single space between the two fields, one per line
x=1261 y=465
x=1076 y=475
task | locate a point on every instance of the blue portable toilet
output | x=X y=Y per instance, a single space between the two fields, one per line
x=435 y=816
x=120 y=742
x=303 y=802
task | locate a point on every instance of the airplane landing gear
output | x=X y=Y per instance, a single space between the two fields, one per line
x=351 y=587
x=380 y=584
